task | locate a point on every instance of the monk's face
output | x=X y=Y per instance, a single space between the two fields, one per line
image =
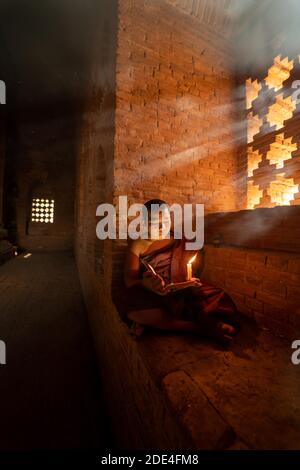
x=159 y=224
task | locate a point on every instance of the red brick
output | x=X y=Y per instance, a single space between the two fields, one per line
x=294 y=265
x=256 y=258
x=275 y=287
x=279 y=261
x=270 y=298
x=239 y=286
x=277 y=313
x=294 y=294
x=253 y=279
x=254 y=304
x=164 y=66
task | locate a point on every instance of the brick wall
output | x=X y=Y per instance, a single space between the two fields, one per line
x=256 y=262
x=264 y=284
x=96 y=150
x=174 y=114
x=2 y=154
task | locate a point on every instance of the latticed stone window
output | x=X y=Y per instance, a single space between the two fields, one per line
x=273 y=148
x=42 y=210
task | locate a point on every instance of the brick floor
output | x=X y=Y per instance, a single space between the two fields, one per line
x=50 y=391
x=252 y=386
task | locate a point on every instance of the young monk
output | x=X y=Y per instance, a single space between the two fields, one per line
x=202 y=308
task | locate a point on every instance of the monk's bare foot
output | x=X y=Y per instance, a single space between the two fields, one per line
x=224 y=333
x=218 y=330
x=137 y=330
x=226 y=329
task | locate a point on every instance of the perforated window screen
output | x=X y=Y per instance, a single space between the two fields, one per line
x=272 y=158
x=42 y=210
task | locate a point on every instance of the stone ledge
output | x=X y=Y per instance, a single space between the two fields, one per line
x=274 y=228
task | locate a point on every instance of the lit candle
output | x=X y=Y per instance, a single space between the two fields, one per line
x=189 y=272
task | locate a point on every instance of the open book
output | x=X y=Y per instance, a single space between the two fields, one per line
x=172 y=286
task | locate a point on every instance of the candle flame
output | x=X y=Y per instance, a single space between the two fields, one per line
x=193 y=258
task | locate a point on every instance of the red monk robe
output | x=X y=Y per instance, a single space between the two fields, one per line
x=206 y=306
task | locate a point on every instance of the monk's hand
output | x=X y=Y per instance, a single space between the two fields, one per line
x=196 y=281
x=154 y=282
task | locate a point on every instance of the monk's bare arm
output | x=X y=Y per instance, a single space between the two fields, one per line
x=132 y=265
